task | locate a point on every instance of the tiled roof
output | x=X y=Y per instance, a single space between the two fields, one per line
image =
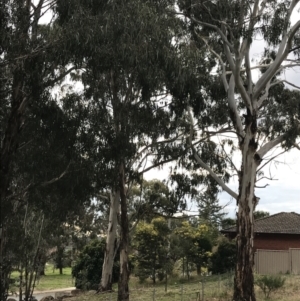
x=283 y=222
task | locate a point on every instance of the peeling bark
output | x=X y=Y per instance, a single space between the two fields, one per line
x=111 y=245
x=244 y=280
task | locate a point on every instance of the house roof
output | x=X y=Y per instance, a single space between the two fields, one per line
x=283 y=222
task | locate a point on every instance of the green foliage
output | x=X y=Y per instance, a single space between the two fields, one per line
x=195 y=244
x=149 y=199
x=260 y=214
x=224 y=259
x=88 y=267
x=151 y=243
x=210 y=210
x=270 y=283
x=227 y=223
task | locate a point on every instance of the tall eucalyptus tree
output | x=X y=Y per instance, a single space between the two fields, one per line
x=30 y=63
x=262 y=114
x=129 y=53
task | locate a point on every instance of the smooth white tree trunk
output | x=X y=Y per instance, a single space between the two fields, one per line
x=111 y=242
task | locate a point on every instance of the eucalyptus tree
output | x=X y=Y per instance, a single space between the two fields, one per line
x=43 y=188
x=261 y=114
x=31 y=63
x=151 y=242
x=129 y=51
x=153 y=198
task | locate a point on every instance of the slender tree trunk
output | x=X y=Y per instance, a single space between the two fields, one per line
x=154 y=271
x=244 y=280
x=111 y=245
x=123 y=289
x=8 y=149
x=198 y=269
x=187 y=269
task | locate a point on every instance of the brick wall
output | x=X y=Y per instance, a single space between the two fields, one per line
x=276 y=241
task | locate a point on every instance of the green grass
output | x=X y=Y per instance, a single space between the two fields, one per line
x=216 y=288
x=52 y=279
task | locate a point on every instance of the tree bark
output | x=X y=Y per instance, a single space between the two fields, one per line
x=244 y=280
x=111 y=245
x=123 y=289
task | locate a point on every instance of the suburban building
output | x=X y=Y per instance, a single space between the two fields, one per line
x=276 y=243
x=280 y=231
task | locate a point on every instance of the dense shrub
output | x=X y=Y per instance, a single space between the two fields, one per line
x=224 y=259
x=88 y=267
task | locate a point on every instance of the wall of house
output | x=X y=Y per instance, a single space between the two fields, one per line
x=268 y=241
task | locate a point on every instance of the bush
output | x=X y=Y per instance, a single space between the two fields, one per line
x=88 y=267
x=224 y=259
x=270 y=284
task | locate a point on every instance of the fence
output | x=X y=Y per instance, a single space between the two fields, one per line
x=215 y=286
x=276 y=262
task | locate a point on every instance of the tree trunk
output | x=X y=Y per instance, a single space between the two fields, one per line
x=154 y=272
x=123 y=289
x=198 y=269
x=244 y=280
x=187 y=269
x=111 y=245
x=8 y=149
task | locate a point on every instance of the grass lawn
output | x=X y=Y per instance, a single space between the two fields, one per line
x=52 y=279
x=214 y=288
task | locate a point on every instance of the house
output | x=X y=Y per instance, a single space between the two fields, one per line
x=276 y=243
x=280 y=231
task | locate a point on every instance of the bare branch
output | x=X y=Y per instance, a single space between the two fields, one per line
x=60 y=77
x=235 y=117
x=264 y=186
x=271 y=144
x=156 y=165
x=217 y=29
x=269 y=160
x=282 y=53
x=57 y=178
x=297 y=146
x=291 y=84
x=205 y=166
x=265 y=95
x=223 y=75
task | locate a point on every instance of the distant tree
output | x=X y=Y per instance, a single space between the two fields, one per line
x=228 y=222
x=209 y=208
x=152 y=246
x=260 y=214
x=150 y=199
x=223 y=260
x=195 y=245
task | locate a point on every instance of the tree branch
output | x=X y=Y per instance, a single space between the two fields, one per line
x=282 y=53
x=271 y=144
x=57 y=178
x=205 y=166
x=235 y=117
